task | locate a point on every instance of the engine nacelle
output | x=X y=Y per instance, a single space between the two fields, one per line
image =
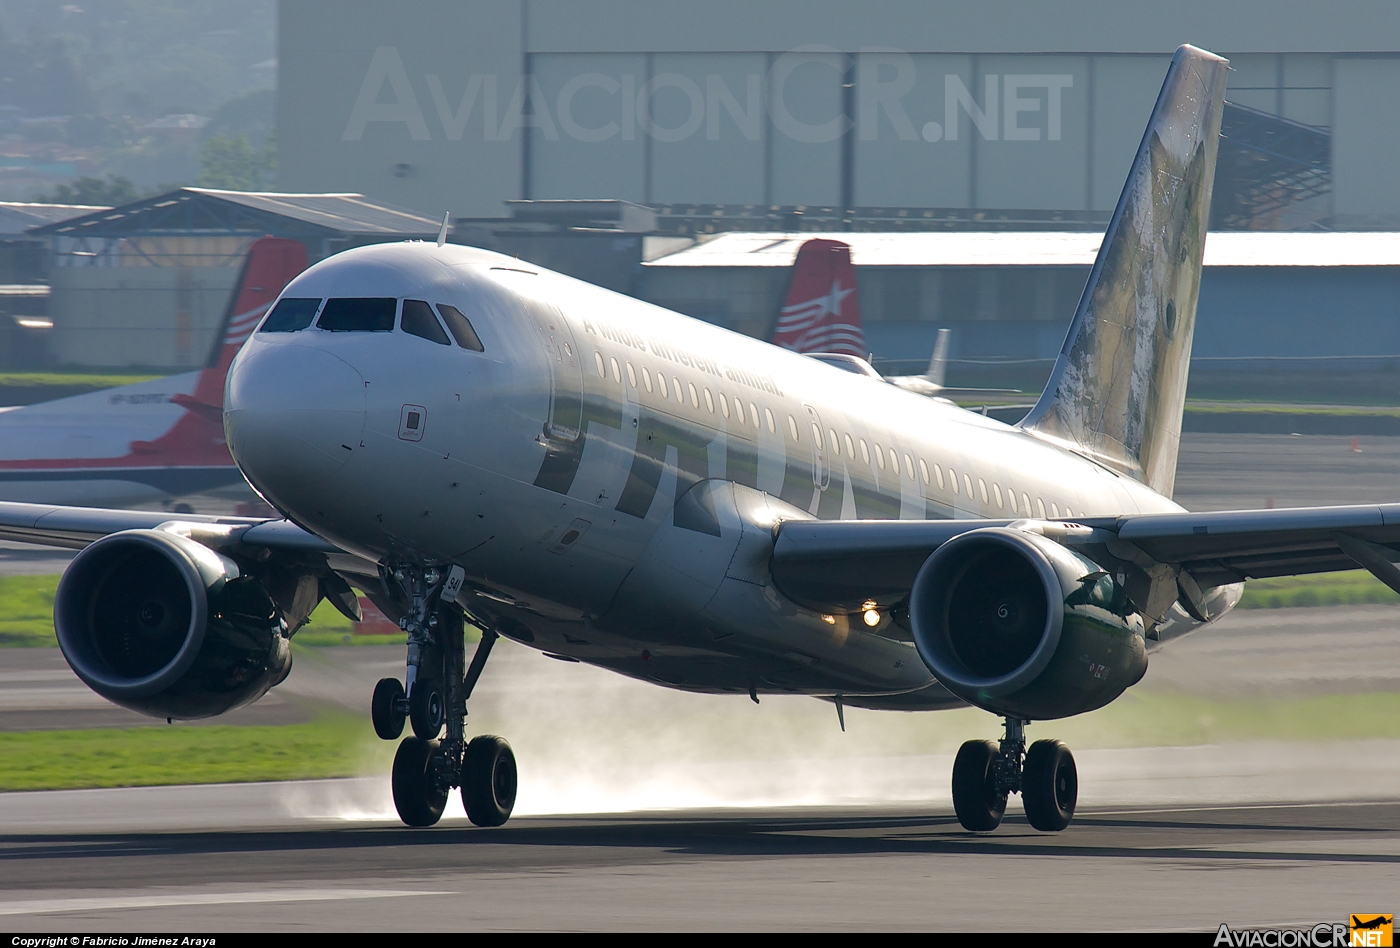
x=160 y=624
x=1019 y=625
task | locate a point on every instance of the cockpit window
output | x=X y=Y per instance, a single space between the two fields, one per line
x=460 y=327
x=289 y=315
x=358 y=315
x=418 y=319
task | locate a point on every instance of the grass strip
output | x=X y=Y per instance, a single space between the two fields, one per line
x=94 y=379
x=330 y=746
x=1352 y=588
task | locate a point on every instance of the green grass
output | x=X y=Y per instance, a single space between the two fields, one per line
x=331 y=746
x=26 y=618
x=94 y=379
x=1356 y=587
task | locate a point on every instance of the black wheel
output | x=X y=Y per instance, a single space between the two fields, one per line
x=975 y=798
x=1049 y=786
x=488 y=780
x=386 y=710
x=417 y=795
x=426 y=710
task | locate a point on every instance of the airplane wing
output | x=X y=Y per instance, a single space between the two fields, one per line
x=75 y=527
x=843 y=564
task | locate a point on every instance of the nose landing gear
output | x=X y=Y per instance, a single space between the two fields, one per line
x=986 y=773
x=429 y=765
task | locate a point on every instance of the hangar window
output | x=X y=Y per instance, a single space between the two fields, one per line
x=460 y=327
x=418 y=320
x=289 y=315
x=359 y=315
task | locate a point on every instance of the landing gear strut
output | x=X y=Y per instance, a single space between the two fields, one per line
x=429 y=765
x=985 y=773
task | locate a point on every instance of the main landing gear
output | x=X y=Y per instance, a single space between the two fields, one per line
x=985 y=774
x=427 y=765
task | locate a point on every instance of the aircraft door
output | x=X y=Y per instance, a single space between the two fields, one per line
x=821 y=457
x=565 y=419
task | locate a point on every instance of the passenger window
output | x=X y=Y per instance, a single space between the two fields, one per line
x=290 y=315
x=598 y=361
x=894 y=461
x=909 y=466
x=1054 y=511
x=418 y=320
x=631 y=375
x=616 y=369
x=923 y=470
x=982 y=489
x=1025 y=503
x=723 y=405
x=646 y=378
x=996 y=490
x=461 y=328
x=967 y=482
x=694 y=398
x=709 y=401
x=1040 y=506
x=938 y=473
x=792 y=427
x=1011 y=499
x=864 y=451
x=359 y=315
x=817 y=437
x=953 y=479
x=835 y=442
x=661 y=385
x=738 y=411
x=850 y=448
x=767 y=413
x=879 y=456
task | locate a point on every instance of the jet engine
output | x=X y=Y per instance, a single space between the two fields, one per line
x=160 y=624
x=1017 y=624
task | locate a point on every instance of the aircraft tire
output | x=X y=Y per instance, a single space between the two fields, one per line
x=489 y=780
x=427 y=710
x=1049 y=786
x=417 y=795
x=975 y=798
x=385 y=711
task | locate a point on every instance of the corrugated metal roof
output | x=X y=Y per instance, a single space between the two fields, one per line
x=206 y=210
x=1032 y=248
x=16 y=217
x=348 y=212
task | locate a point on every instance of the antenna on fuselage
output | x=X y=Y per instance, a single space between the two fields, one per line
x=442 y=231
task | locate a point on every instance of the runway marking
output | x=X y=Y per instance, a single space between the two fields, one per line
x=64 y=906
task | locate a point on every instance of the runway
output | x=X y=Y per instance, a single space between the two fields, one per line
x=831 y=869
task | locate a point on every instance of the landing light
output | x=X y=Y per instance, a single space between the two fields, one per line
x=829 y=620
x=872 y=617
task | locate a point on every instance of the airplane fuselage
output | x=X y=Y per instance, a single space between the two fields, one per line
x=607 y=472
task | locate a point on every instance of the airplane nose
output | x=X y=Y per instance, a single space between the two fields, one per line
x=292 y=416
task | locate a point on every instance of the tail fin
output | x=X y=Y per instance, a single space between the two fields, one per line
x=1118 y=388
x=822 y=312
x=938 y=364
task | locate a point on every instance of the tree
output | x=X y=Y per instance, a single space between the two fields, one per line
x=111 y=192
x=232 y=163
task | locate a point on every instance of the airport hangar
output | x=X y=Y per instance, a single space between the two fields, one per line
x=886 y=117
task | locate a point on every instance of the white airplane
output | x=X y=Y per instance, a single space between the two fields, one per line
x=466 y=437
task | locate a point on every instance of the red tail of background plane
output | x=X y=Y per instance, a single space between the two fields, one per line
x=822 y=312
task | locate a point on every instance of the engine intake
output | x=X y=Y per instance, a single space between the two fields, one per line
x=1017 y=624
x=165 y=626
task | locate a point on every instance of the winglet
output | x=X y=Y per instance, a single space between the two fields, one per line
x=1118 y=389
x=938 y=365
x=442 y=231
